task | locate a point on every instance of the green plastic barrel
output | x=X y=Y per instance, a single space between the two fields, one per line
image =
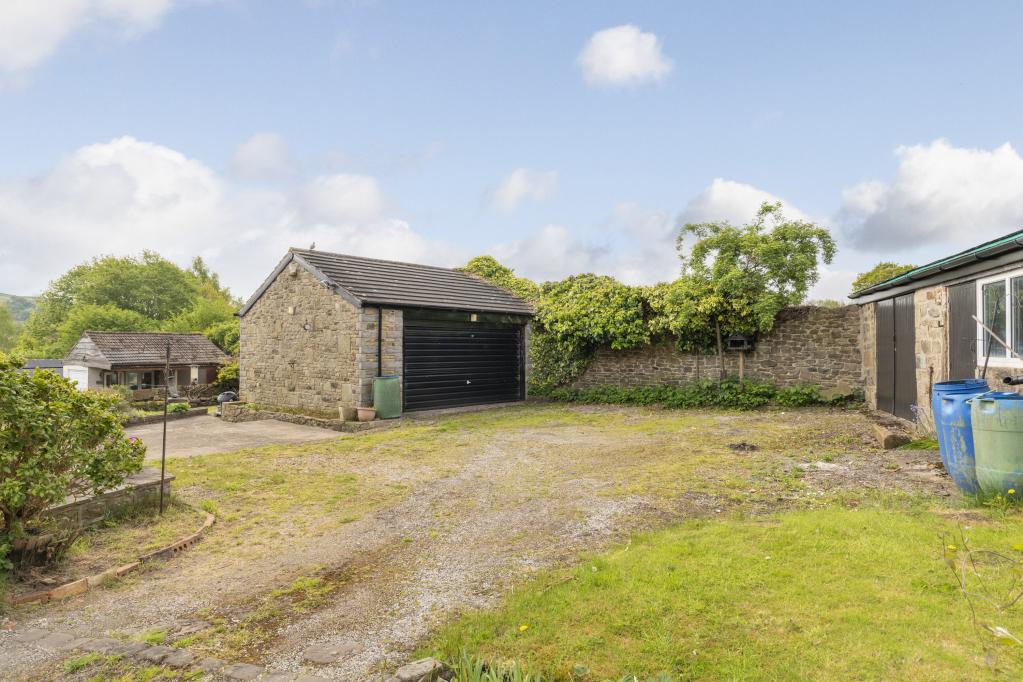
x=387 y=397
x=998 y=442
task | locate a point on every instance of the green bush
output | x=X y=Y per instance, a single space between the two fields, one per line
x=227 y=377
x=177 y=407
x=729 y=395
x=55 y=441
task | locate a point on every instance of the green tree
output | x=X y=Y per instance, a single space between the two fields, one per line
x=100 y=318
x=881 y=272
x=226 y=335
x=743 y=276
x=8 y=328
x=55 y=441
x=487 y=267
x=150 y=292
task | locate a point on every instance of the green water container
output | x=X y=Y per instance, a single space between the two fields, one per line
x=387 y=397
x=998 y=441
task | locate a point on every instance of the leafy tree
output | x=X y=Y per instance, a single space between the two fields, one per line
x=8 y=328
x=884 y=270
x=226 y=335
x=487 y=267
x=743 y=276
x=100 y=318
x=55 y=441
x=150 y=293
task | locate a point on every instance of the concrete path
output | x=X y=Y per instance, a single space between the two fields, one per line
x=207 y=434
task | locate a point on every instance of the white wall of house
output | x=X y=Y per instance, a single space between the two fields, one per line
x=84 y=377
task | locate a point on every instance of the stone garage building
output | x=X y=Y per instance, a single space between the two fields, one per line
x=323 y=325
x=918 y=329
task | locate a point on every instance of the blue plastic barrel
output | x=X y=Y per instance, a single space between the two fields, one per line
x=998 y=435
x=955 y=432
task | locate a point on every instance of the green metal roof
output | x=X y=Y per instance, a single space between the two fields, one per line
x=1012 y=241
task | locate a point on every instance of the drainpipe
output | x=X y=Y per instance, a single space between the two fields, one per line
x=380 y=341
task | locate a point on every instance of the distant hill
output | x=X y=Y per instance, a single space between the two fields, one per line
x=21 y=306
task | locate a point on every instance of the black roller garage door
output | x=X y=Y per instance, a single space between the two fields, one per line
x=449 y=364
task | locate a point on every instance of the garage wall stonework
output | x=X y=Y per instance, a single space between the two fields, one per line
x=868 y=342
x=930 y=311
x=283 y=364
x=807 y=345
x=390 y=347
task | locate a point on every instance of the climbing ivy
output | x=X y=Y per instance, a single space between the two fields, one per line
x=734 y=279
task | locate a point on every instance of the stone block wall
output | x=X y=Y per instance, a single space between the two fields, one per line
x=139 y=488
x=366 y=354
x=807 y=345
x=299 y=346
x=930 y=311
x=868 y=343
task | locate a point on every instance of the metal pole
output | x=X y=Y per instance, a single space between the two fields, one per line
x=166 y=394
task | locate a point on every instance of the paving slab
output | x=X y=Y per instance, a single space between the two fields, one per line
x=56 y=641
x=242 y=671
x=209 y=434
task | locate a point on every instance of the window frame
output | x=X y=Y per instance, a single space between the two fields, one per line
x=1009 y=360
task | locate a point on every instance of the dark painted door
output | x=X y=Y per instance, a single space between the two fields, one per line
x=962 y=331
x=905 y=357
x=896 y=356
x=450 y=364
x=884 y=318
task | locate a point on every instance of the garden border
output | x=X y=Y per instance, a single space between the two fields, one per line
x=76 y=587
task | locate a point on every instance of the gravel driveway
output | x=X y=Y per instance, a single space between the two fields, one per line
x=489 y=500
x=208 y=434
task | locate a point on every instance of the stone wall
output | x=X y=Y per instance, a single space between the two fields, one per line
x=930 y=311
x=366 y=353
x=140 y=488
x=868 y=344
x=284 y=363
x=807 y=345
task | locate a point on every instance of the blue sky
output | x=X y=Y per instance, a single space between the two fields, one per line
x=561 y=137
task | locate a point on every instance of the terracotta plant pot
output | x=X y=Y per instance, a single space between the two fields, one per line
x=367 y=414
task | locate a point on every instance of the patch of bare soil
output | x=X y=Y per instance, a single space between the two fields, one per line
x=516 y=499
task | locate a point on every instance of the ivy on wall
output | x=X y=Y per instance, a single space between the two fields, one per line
x=733 y=279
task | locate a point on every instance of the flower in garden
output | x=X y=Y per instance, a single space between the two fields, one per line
x=523 y=628
x=1012 y=491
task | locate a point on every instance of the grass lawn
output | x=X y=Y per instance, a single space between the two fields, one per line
x=840 y=592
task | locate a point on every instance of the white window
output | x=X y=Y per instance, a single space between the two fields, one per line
x=1000 y=307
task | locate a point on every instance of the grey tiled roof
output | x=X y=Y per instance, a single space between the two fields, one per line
x=150 y=348
x=397 y=284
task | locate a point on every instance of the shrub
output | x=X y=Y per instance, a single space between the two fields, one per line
x=730 y=394
x=227 y=377
x=177 y=407
x=55 y=441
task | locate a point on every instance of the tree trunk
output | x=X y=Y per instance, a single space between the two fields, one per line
x=721 y=354
x=742 y=367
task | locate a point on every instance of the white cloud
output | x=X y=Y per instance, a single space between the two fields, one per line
x=264 y=155
x=553 y=252
x=623 y=55
x=127 y=195
x=730 y=201
x=524 y=183
x=32 y=30
x=343 y=198
x=635 y=244
x=941 y=195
